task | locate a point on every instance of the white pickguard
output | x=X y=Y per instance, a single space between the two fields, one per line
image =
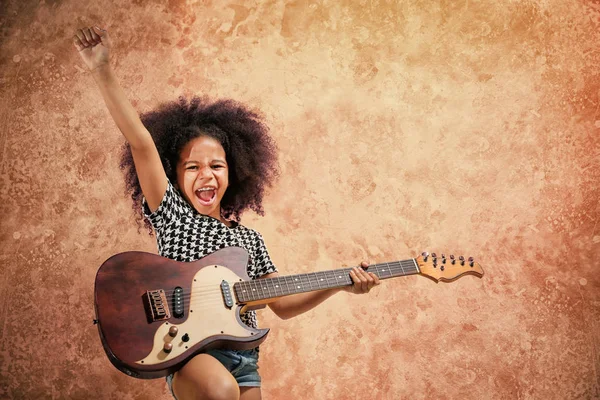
x=207 y=316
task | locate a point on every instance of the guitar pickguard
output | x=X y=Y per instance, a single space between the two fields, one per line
x=208 y=316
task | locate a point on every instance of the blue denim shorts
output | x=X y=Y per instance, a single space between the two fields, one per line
x=243 y=365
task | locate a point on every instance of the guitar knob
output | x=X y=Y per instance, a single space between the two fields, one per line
x=185 y=338
x=173 y=331
x=443 y=258
x=471 y=261
x=462 y=260
x=452 y=258
x=167 y=347
x=425 y=255
x=433 y=255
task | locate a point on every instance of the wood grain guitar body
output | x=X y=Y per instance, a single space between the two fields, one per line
x=143 y=330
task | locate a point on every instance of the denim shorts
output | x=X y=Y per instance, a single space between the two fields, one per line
x=243 y=365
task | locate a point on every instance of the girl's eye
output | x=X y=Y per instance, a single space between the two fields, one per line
x=218 y=166
x=192 y=167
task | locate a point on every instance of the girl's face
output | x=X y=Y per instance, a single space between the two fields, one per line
x=203 y=175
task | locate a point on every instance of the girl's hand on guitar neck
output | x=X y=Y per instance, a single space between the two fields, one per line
x=363 y=280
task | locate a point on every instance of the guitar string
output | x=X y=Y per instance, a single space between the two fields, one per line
x=215 y=294
x=304 y=279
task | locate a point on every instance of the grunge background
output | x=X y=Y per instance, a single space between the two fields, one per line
x=466 y=127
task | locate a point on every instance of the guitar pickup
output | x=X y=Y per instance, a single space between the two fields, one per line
x=178 y=302
x=157 y=308
x=226 y=291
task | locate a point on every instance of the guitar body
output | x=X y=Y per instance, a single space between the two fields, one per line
x=142 y=330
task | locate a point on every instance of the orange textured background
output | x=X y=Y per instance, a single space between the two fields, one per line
x=469 y=127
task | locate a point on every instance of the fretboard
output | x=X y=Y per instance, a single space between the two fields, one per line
x=262 y=289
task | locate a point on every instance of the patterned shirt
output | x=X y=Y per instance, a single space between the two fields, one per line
x=183 y=234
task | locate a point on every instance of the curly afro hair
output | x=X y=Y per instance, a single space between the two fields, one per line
x=251 y=152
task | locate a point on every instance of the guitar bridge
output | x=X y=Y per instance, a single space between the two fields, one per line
x=157 y=308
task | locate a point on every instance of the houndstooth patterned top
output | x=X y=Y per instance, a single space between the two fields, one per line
x=183 y=234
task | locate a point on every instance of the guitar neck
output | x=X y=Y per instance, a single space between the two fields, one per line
x=261 y=290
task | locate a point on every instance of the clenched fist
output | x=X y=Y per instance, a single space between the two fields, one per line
x=93 y=45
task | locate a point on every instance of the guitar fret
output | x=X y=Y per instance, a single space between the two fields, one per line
x=415 y=264
x=276 y=285
x=323 y=279
x=382 y=270
x=248 y=291
x=305 y=283
x=287 y=284
x=255 y=290
x=316 y=280
x=242 y=291
x=295 y=284
x=308 y=281
x=335 y=277
x=401 y=267
x=388 y=270
x=266 y=285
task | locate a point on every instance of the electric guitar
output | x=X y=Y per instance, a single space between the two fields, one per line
x=154 y=314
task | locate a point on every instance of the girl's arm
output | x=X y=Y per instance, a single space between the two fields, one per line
x=93 y=45
x=291 y=306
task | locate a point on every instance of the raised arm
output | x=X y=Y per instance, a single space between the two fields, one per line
x=93 y=45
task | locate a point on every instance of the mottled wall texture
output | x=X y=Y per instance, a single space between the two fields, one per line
x=467 y=127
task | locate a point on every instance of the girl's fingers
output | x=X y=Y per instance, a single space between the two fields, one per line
x=354 y=275
x=99 y=31
x=88 y=35
x=373 y=281
x=364 y=282
x=375 y=278
x=81 y=36
x=365 y=275
x=369 y=281
x=95 y=37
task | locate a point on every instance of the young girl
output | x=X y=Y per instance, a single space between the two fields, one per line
x=192 y=168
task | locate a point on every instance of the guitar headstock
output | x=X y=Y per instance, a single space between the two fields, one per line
x=447 y=269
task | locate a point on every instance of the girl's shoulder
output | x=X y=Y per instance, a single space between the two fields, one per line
x=171 y=204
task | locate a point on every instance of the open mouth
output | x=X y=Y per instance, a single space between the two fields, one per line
x=206 y=195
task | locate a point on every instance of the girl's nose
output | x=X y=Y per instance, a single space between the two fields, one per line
x=206 y=172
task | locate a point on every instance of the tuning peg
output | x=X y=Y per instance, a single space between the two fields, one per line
x=443 y=258
x=462 y=260
x=452 y=258
x=425 y=255
x=433 y=255
x=471 y=261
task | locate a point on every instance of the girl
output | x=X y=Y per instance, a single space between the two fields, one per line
x=192 y=168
